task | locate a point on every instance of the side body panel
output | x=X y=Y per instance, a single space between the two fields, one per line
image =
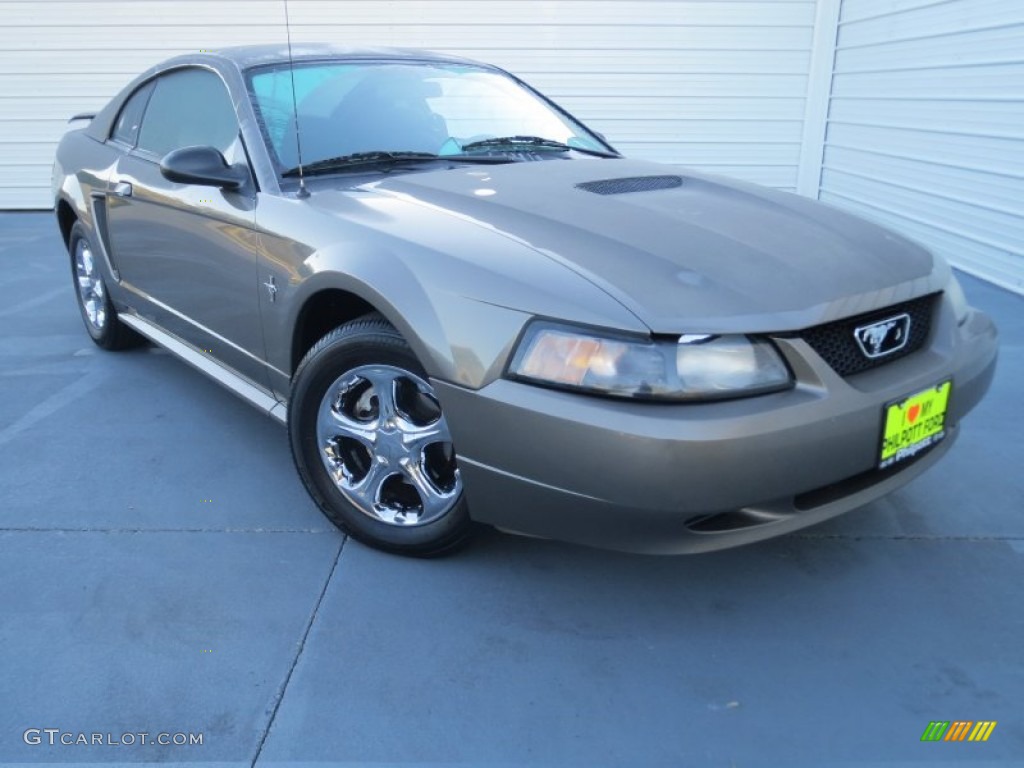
x=187 y=258
x=81 y=171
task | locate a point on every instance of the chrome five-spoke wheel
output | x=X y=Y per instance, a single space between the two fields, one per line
x=90 y=286
x=372 y=443
x=94 y=300
x=385 y=444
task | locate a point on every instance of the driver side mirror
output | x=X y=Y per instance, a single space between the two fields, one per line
x=202 y=165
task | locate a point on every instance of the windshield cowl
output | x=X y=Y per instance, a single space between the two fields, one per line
x=520 y=143
x=387 y=159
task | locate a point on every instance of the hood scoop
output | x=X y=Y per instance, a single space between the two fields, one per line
x=630 y=184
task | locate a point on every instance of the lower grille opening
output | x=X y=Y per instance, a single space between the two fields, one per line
x=826 y=494
x=738 y=519
x=734 y=520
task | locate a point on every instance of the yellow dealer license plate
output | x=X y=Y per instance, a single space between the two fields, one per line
x=913 y=424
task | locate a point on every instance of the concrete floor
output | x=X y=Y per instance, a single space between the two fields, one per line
x=162 y=570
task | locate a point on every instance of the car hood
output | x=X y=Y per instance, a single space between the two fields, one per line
x=697 y=253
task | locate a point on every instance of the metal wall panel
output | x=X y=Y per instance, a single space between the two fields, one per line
x=716 y=84
x=926 y=126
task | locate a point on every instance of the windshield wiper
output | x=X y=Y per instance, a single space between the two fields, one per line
x=359 y=159
x=515 y=142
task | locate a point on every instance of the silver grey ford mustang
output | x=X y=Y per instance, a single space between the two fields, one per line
x=467 y=306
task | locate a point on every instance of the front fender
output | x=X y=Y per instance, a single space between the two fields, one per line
x=458 y=293
x=457 y=339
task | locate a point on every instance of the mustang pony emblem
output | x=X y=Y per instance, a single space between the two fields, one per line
x=884 y=337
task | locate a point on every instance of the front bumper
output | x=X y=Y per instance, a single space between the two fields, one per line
x=673 y=478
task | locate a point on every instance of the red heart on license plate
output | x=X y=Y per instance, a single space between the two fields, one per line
x=913 y=412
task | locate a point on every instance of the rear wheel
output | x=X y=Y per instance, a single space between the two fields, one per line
x=98 y=313
x=372 y=445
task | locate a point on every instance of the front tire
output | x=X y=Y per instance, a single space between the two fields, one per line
x=98 y=312
x=372 y=445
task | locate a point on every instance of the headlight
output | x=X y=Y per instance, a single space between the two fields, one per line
x=697 y=367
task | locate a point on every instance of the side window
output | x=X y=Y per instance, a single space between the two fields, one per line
x=188 y=107
x=126 y=129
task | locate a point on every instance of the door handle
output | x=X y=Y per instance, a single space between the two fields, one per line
x=122 y=189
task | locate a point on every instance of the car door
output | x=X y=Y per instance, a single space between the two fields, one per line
x=188 y=253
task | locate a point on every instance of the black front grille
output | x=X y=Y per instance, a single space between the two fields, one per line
x=631 y=184
x=838 y=347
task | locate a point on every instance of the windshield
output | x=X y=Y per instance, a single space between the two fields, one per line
x=346 y=108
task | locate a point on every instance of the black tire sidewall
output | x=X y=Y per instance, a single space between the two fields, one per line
x=360 y=343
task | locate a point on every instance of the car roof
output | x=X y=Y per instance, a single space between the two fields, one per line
x=242 y=57
x=233 y=61
x=246 y=56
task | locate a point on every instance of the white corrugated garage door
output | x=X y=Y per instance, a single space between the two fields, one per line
x=718 y=84
x=926 y=126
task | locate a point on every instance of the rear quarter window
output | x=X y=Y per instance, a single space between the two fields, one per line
x=126 y=129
